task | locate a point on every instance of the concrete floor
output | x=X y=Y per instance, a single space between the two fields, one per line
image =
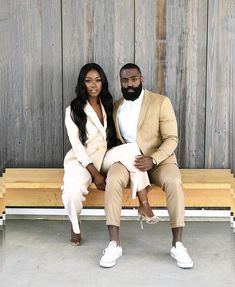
x=37 y=253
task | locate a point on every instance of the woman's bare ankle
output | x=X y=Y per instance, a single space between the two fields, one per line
x=145 y=209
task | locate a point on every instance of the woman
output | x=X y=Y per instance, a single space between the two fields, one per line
x=91 y=132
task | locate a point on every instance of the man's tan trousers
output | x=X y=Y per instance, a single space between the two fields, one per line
x=166 y=176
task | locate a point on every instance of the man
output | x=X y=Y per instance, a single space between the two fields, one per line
x=149 y=120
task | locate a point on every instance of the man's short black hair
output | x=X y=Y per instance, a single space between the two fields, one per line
x=130 y=66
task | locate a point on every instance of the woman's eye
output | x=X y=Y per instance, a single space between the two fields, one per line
x=98 y=80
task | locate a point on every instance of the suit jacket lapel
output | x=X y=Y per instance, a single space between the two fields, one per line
x=95 y=120
x=143 y=109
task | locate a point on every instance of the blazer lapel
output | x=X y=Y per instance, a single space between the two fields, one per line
x=94 y=118
x=143 y=109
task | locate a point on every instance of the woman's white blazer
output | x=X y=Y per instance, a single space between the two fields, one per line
x=96 y=145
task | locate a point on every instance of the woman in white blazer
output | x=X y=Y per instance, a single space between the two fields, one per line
x=92 y=135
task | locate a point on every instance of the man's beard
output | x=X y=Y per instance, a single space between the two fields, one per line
x=134 y=94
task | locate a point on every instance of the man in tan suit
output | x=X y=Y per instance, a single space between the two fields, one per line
x=149 y=120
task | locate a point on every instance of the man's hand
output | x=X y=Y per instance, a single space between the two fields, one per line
x=144 y=162
x=99 y=181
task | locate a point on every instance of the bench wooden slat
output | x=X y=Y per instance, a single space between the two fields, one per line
x=50 y=197
x=38 y=185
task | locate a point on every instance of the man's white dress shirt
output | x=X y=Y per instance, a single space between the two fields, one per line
x=128 y=116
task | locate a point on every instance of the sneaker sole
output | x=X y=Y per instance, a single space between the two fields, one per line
x=109 y=264
x=182 y=265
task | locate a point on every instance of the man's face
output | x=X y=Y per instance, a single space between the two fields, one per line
x=131 y=83
x=130 y=78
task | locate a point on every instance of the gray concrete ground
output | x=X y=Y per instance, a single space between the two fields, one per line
x=37 y=253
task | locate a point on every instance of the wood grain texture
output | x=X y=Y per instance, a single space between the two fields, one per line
x=185 y=49
x=114 y=38
x=186 y=26
x=145 y=41
x=41 y=187
x=52 y=198
x=5 y=53
x=52 y=83
x=34 y=118
x=217 y=92
x=230 y=81
x=160 y=46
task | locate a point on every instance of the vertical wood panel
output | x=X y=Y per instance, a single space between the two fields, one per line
x=35 y=126
x=161 y=46
x=217 y=101
x=52 y=83
x=230 y=83
x=186 y=26
x=145 y=40
x=24 y=111
x=113 y=38
x=5 y=51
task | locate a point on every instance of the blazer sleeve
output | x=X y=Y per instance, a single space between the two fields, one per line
x=168 y=131
x=73 y=134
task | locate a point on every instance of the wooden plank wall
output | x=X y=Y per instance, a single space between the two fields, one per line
x=217 y=92
x=186 y=50
x=185 y=81
x=145 y=41
x=33 y=91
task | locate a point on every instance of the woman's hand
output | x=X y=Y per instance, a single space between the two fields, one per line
x=99 y=181
x=97 y=177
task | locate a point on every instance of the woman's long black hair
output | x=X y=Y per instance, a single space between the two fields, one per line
x=77 y=105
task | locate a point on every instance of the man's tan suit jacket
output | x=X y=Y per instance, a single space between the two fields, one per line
x=157 y=134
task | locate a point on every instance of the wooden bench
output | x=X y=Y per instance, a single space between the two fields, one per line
x=41 y=187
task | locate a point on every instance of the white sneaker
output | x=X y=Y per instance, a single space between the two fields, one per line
x=180 y=254
x=111 y=254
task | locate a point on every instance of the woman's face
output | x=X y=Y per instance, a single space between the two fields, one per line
x=93 y=83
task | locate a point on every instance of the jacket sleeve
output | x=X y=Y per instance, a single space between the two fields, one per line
x=73 y=134
x=168 y=131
